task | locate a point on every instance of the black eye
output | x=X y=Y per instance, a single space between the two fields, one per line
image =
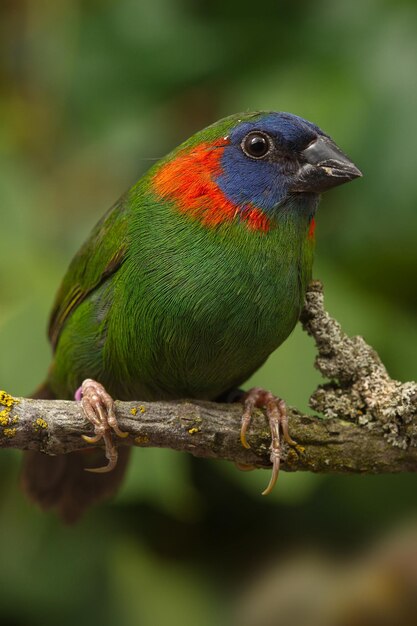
x=257 y=145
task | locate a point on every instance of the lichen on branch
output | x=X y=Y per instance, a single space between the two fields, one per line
x=361 y=389
x=369 y=422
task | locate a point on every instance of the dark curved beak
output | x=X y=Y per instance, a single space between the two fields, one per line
x=323 y=166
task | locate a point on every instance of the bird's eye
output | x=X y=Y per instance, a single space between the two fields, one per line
x=257 y=145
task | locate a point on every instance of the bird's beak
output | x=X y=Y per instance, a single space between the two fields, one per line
x=323 y=166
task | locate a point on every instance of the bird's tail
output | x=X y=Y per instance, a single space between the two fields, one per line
x=61 y=483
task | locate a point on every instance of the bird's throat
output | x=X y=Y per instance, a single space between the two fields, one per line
x=189 y=180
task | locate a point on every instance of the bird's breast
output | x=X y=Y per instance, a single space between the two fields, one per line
x=207 y=310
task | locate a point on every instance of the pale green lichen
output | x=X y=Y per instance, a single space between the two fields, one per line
x=361 y=390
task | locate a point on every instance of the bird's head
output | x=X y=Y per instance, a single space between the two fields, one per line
x=248 y=167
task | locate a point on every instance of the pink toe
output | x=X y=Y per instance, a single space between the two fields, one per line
x=78 y=394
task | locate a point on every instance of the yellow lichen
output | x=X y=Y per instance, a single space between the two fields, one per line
x=7 y=400
x=40 y=423
x=136 y=409
x=4 y=417
x=189 y=420
x=142 y=439
x=9 y=432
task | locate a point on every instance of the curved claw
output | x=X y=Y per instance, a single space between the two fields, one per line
x=94 y=439
x=274 y=476
x=246 y=418
x=98 y=408
x=111 y=456
x=243 y=439
x=245 y=467
x=120 y=433
x=276 y=412
x=291 y=441
x=271 y=484
x=102 y=470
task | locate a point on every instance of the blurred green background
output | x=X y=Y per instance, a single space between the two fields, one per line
x=91 y=92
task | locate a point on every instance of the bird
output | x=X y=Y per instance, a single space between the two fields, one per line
x=184 y=288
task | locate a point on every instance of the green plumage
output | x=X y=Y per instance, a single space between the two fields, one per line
x=186 y=310
x=190 y=281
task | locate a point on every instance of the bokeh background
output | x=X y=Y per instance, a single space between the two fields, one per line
x=91 y=92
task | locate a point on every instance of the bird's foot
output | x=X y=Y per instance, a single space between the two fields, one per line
x=98 y=408
x=276 y=412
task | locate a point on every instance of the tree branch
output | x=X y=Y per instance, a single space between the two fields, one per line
x=369 y=425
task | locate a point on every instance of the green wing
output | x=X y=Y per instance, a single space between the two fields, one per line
x=100 y=256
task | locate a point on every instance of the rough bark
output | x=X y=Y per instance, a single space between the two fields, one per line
x=369 y=422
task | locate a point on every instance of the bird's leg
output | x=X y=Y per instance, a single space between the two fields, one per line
x=276 y=412
x=98 y=408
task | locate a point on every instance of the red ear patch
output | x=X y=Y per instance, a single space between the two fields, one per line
x=312 y=229
x=189 y=180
